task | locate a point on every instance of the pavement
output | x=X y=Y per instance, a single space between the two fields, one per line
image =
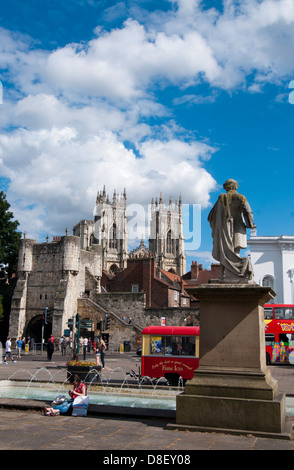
x=118 y=438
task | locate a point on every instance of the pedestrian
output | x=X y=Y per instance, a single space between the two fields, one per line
x=97 y=354
x=50 y=347
x=102 y=352
x=63 y=346
x=19 y=346
x=8 y=351
x=85 y=347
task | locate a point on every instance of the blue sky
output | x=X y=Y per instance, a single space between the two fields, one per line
x=170 y=96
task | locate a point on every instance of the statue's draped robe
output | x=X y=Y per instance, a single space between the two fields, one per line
x=229 y=233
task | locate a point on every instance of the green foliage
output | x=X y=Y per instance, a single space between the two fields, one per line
x=9 y=237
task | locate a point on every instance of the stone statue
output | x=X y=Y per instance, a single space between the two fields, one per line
x=229 y=233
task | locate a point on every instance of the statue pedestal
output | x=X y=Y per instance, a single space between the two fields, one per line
x=233 y=389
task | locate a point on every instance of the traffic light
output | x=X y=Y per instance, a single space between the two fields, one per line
x=100 y=325
x=107 y=322
x=45 y=316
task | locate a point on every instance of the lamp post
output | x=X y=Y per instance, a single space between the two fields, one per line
x=78 y=317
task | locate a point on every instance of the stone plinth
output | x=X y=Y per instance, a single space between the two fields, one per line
x=233 y=388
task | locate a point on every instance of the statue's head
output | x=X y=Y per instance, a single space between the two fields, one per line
x=230 y=184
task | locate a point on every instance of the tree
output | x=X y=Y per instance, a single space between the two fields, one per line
x=9 y=237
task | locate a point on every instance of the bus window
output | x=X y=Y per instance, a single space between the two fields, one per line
x=284 y=313
x=269 y=339
x=268 y=313
x=289 y=313
x=279 y=313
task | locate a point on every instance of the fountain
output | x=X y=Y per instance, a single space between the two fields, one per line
x=134 y=395
x=145 y=396
x=142 y=397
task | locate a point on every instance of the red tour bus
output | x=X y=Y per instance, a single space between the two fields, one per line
x=170 y=351
x=279 y=333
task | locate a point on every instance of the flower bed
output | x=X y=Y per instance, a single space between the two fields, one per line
x=79 y=363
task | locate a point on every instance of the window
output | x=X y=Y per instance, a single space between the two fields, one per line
x=284 y=313
x=135 y=288
x=170 y=243
x=268 y=313
x=268 y=281
x=172 y=345
x=113 y=240
x=269 y=339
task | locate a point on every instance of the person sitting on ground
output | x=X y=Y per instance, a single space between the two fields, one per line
x=79 y=390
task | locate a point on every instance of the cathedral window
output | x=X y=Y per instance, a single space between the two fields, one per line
x=169 y=243
x=113 y=239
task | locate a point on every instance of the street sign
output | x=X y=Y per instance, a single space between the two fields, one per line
x=86 y=324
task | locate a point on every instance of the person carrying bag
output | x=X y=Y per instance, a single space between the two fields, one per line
x=78 y=401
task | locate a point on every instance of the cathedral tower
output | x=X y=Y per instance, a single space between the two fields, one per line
x=110 y=230
x=166 y=240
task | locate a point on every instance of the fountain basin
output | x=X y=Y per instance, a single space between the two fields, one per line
x=103 y=399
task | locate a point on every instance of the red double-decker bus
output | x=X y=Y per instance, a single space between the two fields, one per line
x=170 y=351
x=279 y=333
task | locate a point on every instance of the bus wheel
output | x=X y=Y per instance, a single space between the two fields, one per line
x=268 y=359
x=173 y=379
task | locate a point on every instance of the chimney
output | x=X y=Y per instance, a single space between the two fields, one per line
x=194 y=270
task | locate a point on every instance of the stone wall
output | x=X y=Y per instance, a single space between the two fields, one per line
x=124 y=304
x=173 y=316
x=119 y=330
x=52 y=275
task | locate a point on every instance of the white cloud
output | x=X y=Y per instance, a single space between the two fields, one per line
x=123 y=63
x=61 y=171
x=247 y=37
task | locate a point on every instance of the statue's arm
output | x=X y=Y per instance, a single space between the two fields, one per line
x=247 y=213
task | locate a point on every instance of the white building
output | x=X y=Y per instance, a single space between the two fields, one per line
x=273 y=264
